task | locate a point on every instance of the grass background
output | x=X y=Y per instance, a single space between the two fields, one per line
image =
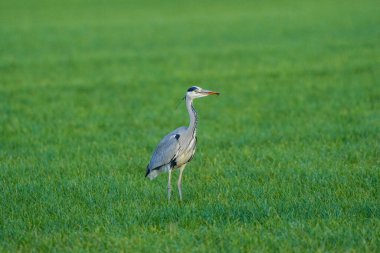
x=288 y=156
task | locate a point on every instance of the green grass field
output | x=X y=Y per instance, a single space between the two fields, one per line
x=288 y=156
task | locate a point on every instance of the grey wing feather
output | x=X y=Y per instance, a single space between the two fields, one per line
x=166 y=150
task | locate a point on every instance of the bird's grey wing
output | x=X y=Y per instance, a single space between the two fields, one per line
x=167 y=149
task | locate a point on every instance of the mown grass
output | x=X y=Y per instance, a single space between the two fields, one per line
x=288 y=156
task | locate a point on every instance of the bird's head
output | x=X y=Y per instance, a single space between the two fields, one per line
x=198 y=92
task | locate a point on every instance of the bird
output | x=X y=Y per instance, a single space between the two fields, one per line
x=177 y=148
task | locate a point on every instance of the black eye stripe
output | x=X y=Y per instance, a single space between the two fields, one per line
x=192 y=88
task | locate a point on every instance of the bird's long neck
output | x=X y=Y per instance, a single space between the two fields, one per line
x=193 y=116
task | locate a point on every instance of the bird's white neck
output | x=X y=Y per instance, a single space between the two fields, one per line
x=193 y=115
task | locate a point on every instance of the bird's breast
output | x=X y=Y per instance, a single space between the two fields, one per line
x=186 y=152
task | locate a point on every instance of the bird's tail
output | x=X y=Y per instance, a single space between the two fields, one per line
x=151 y=174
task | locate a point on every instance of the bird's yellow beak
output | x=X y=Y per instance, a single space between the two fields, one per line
x=212 y=93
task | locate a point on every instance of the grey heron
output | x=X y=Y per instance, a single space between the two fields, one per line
x=178 y=147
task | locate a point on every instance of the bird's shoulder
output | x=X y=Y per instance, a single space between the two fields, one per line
x=172 y=138
x=174 y=134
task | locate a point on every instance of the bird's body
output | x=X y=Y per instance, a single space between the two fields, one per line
x=177 y=148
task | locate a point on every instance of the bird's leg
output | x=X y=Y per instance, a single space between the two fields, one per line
x=169 y=184
x=180 y=181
